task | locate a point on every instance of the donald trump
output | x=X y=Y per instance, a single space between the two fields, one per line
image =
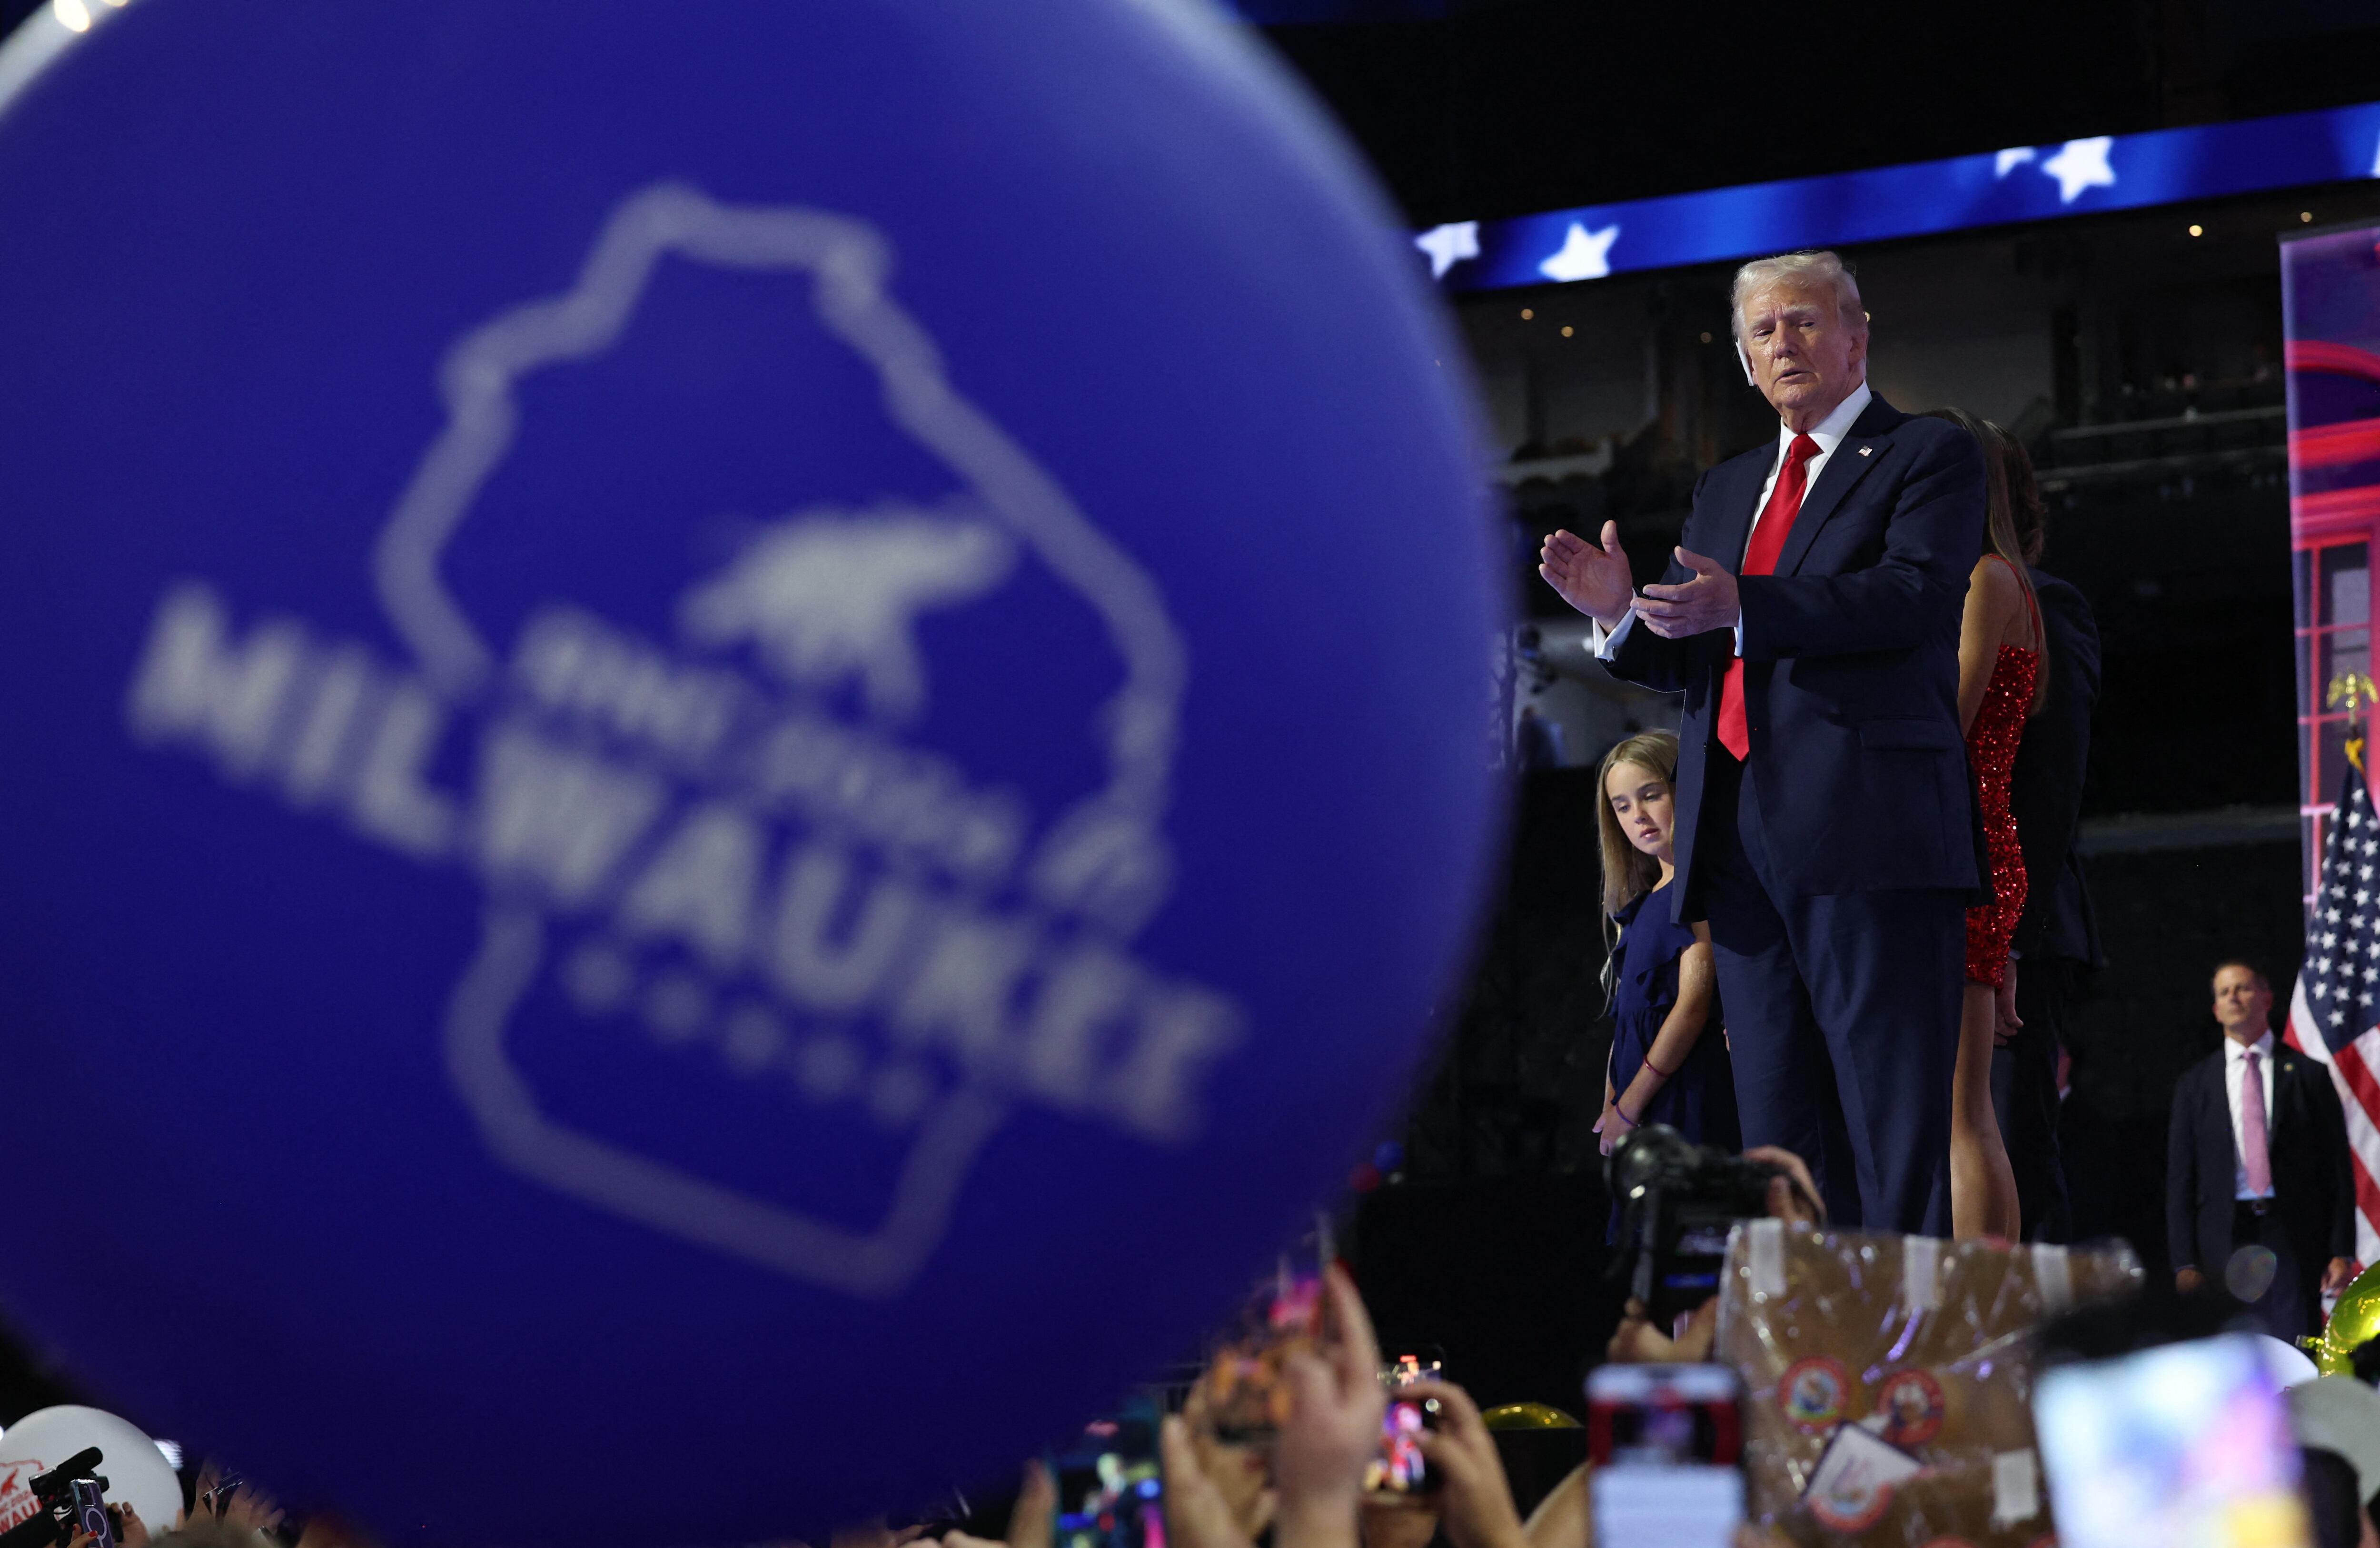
x=1824 y=825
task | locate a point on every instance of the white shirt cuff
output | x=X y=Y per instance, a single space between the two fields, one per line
x=1605 y=644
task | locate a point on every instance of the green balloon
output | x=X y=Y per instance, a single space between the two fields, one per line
x=2355 y=1319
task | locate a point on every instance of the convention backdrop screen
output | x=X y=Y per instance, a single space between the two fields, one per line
x=2330 y=283
x=2331 y=287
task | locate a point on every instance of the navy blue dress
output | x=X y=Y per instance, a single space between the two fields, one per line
x=1699 y=1100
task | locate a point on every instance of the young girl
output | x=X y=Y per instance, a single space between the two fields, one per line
x=1668 y=1060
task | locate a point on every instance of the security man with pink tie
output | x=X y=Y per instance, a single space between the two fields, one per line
x=2258 y=1158
x=1826 y=825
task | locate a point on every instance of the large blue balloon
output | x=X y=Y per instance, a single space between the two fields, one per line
x=739 y=737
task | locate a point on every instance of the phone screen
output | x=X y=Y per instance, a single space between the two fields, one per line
x=1110 y=1491
x=2186 y=1443
x=1401 y=1470
x=1667 y=1442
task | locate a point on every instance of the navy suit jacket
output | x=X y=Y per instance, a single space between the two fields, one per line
x=2313 y=1178
x=2047 y=794
x=1850 y=656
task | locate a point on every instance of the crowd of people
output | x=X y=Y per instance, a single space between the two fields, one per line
x=1312 y=1483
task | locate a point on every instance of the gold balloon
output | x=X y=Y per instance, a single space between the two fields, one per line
x=2354 y=1319
x=1528 y=1416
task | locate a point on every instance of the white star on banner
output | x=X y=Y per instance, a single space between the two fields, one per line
x=2011 y=159
x=1584 y=254
x=1449 y=245
x=2079 y=164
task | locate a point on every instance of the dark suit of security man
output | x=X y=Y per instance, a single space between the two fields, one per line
x=1826 y=821
x=2256 y=1157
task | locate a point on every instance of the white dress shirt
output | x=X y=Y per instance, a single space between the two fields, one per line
x=1828 y=435
x=2235 y=1071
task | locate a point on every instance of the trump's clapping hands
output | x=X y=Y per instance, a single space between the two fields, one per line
x=1710 y=601
x=1593 y=577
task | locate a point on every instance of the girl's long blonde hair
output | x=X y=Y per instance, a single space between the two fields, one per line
x=1629 y=873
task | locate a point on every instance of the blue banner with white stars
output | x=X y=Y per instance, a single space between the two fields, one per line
x=1998 y=188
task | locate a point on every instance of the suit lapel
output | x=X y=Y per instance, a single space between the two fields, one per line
x=2221 y=1154
x=1731 y=508
x=1867 y=445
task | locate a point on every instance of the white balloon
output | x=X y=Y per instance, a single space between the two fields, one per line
x=134 y=1470
x=2286 y=1363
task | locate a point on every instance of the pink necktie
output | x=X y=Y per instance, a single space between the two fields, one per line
x=2252 y=1129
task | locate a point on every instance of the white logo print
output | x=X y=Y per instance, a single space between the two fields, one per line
x=735 y=843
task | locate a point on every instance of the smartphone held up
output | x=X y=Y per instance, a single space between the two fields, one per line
x=1402 y=1473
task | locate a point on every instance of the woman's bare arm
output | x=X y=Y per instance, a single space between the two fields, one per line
x=1993 y=599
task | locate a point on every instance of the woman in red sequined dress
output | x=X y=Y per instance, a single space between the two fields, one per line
x=2001 y=682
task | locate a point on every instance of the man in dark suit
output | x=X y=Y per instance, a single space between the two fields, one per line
x=2258 y=1157
x=2057 y=936
x=1824 y=815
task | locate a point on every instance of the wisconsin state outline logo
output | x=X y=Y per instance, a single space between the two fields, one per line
x=725 y=848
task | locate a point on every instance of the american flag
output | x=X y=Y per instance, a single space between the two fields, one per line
x=2335 y=1010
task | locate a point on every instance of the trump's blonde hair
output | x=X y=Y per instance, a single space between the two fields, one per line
x=1811 y=269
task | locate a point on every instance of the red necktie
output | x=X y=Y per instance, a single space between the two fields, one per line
x=1760 y=558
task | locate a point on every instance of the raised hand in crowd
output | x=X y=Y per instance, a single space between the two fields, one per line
x=1198 y=1512
x=1032 y=1522
x=1238 y=1472
x=130 y=1530
x=1475 y=1497
x=1334 y=1424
